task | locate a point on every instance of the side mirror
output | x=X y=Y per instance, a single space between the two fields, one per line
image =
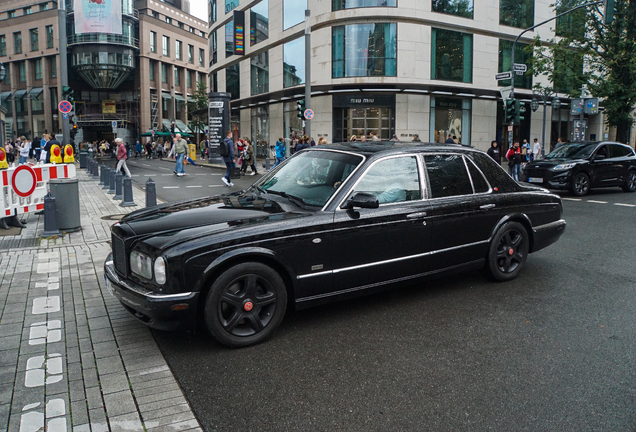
x=362 y=200
x=599 y=157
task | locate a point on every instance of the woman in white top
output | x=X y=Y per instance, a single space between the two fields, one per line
x=25 y=148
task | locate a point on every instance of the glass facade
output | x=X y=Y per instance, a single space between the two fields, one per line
x=364 y=50
x=363 y=121
x=259 y=22
x=259 y=71
x=572 y=24
x=293 y=12
x=229 y=39
x=452 y=56
x=462 y=8
x=292 y=125
x=230 y=4
x=505 y=64
x=233 y=81
x=351 y=4
x=516 y=13
x=450 y=118
x=294 y=63
x=213 y=13
x=260 y=130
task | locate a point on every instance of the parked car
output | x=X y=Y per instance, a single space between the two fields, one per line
x=332 y=222
x=582 y=166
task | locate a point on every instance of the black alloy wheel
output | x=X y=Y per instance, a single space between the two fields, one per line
x=630 y=182
x=508 y=252
x=580 y=184
x=245 y=305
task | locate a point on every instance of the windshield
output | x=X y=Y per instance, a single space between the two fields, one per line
x=311 y=176
x=572 y=151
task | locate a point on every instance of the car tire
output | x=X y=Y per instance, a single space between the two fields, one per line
x=630 y=182
x=580 y=184
x=508 y=252
x=245 y=304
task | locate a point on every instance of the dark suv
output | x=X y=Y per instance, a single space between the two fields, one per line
x=581 y=166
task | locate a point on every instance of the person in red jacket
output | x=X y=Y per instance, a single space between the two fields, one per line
x=514 y=157
x=122 y=155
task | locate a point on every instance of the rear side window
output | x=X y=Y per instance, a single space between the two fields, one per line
x=617 y=151
x=497 y=177
x=447 y=175
x=479 y=182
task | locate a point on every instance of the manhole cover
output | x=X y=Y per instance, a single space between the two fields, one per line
x=114 y=217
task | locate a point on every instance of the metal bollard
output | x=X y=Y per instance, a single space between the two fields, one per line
x=118 y=180
x=87 y=166
x=101 y=175
x=95 y=169
x=106 y=172
x=128 y=193
x=111 y=183
x=50 y=217
x=151 y=193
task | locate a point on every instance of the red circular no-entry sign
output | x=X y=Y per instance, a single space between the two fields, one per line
x=65 y=107
x=23 y=181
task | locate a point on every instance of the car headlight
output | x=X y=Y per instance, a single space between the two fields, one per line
x=564 y=167
x=160 y=271
x=141 y=264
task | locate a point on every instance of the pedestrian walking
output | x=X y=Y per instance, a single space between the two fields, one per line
x=526 y=151
x=160 y=150
x=137 y=149
x=280 y=151
x=203 y=145
x=536 y=150
x=226 y=150
x=36 y=148
x=494 y=152
x=248 y=158
x=122 y=155
x=180 y=148
x=303 y=144
x=515 y=158
x=148 y=150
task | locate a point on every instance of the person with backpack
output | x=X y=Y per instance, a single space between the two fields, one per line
x=515 y=158
x=226 y=150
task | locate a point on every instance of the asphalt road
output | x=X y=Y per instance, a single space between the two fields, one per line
x=552 y=350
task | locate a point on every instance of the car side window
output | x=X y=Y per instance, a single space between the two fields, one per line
x=447 y=175
x=617 y=151
x=392 y=180
x=602 y=151
x=479 y=182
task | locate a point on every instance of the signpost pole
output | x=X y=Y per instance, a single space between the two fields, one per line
x=307 y=70
x=581 y=115
x=61 y=16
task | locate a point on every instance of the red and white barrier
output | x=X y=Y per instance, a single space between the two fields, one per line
x=23 y=187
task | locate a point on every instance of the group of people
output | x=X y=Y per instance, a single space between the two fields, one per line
x=38 y=149
x=517 y=155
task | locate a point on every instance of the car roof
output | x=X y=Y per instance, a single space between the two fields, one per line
x=370 y=148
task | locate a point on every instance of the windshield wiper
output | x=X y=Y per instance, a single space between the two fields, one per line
x=260 y=189
x=288 y=196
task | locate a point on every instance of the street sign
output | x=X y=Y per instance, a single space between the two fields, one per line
x=591 y=106
x=576 y=106
x=503 y=75
x=65 y=116
x=309 y=114
x=65 y=107
x=519 y=67
x=505 y=92
x=519 y=72
x=510 y=127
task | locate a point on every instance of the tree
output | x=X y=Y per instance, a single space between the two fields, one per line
x=198 y=121
x=589 y=51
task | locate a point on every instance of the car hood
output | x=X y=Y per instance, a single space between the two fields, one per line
x=549 y=163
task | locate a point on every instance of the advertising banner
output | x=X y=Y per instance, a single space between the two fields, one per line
x=109 y=107
x=218 y=122
x=98 y=16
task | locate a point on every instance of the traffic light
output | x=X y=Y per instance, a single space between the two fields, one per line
x=172 y=128
x=520 y=110
x=300 y=106
x=67 y=94
x=608 y=11
x=509 y=107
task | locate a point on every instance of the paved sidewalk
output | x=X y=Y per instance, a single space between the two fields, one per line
x=71 y=357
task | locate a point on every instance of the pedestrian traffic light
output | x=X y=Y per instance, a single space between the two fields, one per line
x=67 y=94
x=172 y=128
x=300 y=105
x=520 y=110
x=509 y=107
x=608 y=11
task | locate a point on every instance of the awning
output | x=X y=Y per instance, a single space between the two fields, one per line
x=166 y=124
x=166 y=96
x=182 y=126
x=19 y=94
x=4 y=96
x=191 y=99
x=179 y=97
x=35 y=93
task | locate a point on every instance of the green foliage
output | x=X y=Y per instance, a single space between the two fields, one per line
x=197 y=122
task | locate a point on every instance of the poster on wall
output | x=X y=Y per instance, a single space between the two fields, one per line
x=98 y=16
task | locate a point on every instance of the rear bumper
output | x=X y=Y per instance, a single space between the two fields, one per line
x=545 y=235
x=158 y=311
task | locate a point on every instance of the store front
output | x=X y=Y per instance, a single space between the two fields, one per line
x=450 y=118
x=362 y=114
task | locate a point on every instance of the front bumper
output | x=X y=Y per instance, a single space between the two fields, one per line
x=159 y=311
x=549 y=179
x=545 y=235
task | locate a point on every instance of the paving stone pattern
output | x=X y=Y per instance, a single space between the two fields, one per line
x=71 y=357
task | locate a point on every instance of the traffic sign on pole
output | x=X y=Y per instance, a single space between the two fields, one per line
x=503 y=75
x=309 y=114
x=65 y=107
x=519 y=67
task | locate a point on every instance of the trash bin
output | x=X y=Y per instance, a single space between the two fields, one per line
x=66 y=193
x=83 y=159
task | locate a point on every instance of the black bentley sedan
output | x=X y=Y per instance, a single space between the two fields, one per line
x=582 y=166
x=332 y=222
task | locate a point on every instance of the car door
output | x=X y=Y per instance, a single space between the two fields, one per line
x=601 y=166
x=463 y=210
x=377 y=246
x=620 y=163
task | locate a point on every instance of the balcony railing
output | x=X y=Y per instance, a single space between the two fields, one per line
x=103 y=38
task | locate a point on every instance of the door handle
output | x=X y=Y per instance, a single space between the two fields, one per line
x=416 y=215
x=486 y=206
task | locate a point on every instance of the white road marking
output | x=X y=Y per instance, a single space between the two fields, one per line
x=571 y=199
x=53 y=279
x=194 y=186
x=625 y=205
x=47 y=255
x=148 y=175
x=35 y=374
x=53 y=286
x=163 y=168
x=201 y=174
x=44 y=332
x=50 y=267
x=135 y=175
x=167 y=175
x=146 y=165
x=597 y=202
x=217 y=185
x=32 y=422
x=171 y=187
x=42 y=305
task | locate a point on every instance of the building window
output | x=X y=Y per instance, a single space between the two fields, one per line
x=179 y=24
x=516 y=13
x=259 y=65
x=293 y=12
x=177 y=76
x=35 y=45
x=28 y=11
x=3 y=45
x=350 y=4
x=229 y=39
x=49 y=36
x=153 y=42
x=505 y=49
x=188 y=78
x=190 y=54
x=364 y=50
x=201 y=57
x=233 y=81
x=450 y=118
x=53 y=64
x=212 y=18
x=44 y=7
x=38 y=69
x=17 y=43
x=166 y=45
x=452 y=56
x=151 y=70
x=230 y=4
x=164 y=73
x=214 y=44
x=572 y=24
x=259 y=22
x=462 y=8
x=11 y=14
x=260 y=130
x=22 y=71
x=169 y=20
x=214 y=85
x=178 y=45
x=294 y=63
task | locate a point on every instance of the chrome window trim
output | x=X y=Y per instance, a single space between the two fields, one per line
x=482 y=174
x=470 y=178
x=393 y=156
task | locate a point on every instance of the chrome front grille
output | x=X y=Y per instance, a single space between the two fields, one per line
x=120 y=258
